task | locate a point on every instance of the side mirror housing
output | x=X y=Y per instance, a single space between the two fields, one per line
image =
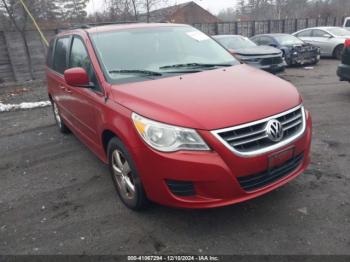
x=327 y=36
x=273 y=45
x=78 y=77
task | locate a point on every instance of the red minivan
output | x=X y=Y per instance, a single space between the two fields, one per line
x=177 y=118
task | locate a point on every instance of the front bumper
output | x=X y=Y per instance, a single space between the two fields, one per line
x=213 y=174
x=344 y=72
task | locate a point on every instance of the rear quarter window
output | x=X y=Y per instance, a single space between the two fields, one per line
x=49 y=56
x=60 y=56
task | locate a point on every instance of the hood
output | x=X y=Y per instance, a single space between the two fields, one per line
x=258 y=50
x=209 y=100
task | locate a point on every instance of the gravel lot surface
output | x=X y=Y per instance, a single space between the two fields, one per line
x=58 y=198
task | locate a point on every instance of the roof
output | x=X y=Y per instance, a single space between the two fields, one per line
x=116 y=27
x=172 y=13
x=162 y=15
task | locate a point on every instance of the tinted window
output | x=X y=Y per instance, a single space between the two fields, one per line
x=347 y=23
x=49 y=57
x=60 y=58
x=264 y=40
x=79 y=57
x=235 y=42
x=306 y=33
x=319 y=33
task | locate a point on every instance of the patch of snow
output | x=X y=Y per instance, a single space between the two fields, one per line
x=23 y=106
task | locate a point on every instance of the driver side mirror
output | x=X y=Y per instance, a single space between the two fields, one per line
x=78 y=77
x=273 y=45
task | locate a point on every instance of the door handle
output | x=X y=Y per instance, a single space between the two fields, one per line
x=68 y=90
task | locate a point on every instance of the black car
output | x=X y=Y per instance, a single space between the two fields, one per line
x=263 y=57
x=344 y=67
x=295 y=51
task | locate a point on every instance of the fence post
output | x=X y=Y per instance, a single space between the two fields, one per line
x=335 y=21
x=283 y=26
x=253 y=28
x=236 y=28
x=269 y=27
x=216 y=28
x=326 y=22
x=296 y=25
x=307 y=23
x=317 y=22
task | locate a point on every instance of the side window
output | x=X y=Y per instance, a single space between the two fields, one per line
x=319 y=33
x=256 y=40
x=266 y=41
x=306 y=33
x=79 y=57
x=60 y=57
x=49 y=56
x=347 y=24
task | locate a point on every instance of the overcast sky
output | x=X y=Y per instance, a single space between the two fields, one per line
x=213 y=6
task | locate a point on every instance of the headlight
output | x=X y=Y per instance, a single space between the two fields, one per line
x=167 y=138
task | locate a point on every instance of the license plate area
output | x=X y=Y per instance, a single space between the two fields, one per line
x=280 y=158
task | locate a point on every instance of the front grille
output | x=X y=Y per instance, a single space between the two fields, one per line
x=272 y=60
x=252 y=138
x=257 y=181
x=181 y=188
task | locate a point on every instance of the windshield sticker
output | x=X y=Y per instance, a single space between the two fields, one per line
x=197 y=35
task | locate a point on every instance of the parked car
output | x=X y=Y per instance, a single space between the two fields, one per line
x=344 y=67
x=266 y=58
x=176 y=117
x=329 y=39
x=295 y=51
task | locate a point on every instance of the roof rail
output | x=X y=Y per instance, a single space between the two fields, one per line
x=90 y=25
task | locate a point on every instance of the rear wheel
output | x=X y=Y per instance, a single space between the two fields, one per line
x=338 y=52
x=59 y=121
x=125 y=177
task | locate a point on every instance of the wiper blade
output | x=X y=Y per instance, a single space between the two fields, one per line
x=135 y=71
x=194 y=65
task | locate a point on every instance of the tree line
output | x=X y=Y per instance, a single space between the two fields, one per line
x=285 y=9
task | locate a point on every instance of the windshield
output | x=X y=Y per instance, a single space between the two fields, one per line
x=127 y=55
x=235 y=42
x=339 y=31
x=288 y=40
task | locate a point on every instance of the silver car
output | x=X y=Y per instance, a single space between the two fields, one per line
x=329 y=39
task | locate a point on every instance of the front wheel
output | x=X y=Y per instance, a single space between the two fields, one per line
x=338 y=52
x=125 y=177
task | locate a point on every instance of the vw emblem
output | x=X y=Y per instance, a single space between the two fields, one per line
x=274 y=130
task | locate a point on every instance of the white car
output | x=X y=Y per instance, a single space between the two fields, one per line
x=329 y=39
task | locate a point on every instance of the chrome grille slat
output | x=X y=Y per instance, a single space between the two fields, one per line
x=249 y=141
x=230 y=139
x=292 y=125
x=252 y=139
x=292 y=120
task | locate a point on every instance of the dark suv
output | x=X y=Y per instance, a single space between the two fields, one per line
x=344 y=67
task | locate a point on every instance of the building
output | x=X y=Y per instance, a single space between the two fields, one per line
x=187 y=13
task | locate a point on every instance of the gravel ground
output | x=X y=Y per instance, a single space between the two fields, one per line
x=58 y=198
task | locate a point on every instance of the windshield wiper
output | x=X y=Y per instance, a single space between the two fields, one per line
x=195 y=65
x=135 y=71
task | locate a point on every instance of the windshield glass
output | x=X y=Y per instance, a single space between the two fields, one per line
x=288 y=40
x=156 y=50
x=339 y=31
x=235 y=42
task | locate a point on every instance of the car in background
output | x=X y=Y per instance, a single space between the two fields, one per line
x=329 y=39
x=344 y=68
x=295 y=51
x=266 y=58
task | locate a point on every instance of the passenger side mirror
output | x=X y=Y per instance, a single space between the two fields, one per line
x=327 y=36
x=273 y=45
x=78 y=77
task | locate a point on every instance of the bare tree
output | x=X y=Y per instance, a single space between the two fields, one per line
x=19 y=18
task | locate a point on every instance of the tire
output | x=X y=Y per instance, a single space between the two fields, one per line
x=125 y=177
x=338 y=52
x=59 y=121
